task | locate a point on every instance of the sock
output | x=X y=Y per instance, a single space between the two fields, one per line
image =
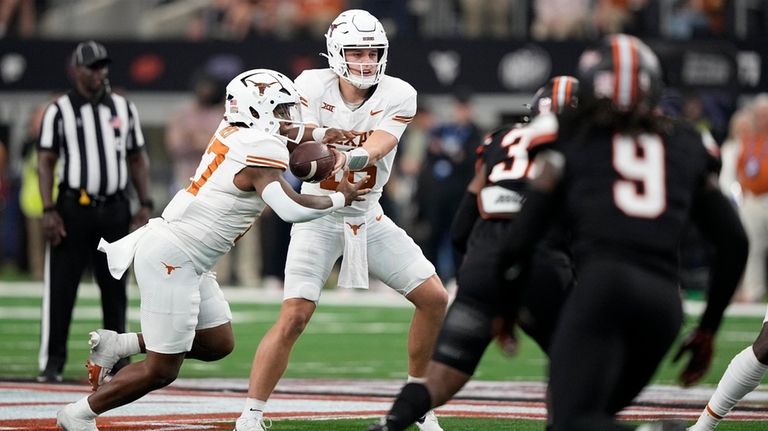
x=253 y=408
x=81 y=409
x=420 y=380
x=128 y=344
x=412 y=403
x=412 y=379
x=741 y=377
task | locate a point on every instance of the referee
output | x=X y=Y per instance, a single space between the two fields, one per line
x=97 y=136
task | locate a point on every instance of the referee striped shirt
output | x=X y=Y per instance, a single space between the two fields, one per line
x=93 y=140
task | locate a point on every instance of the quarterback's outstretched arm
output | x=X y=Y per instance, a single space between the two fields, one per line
x=291 y=206
x=378 y=145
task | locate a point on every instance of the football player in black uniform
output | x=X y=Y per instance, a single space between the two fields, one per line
x=489 y=206
x=486 y=304
x=628 y=181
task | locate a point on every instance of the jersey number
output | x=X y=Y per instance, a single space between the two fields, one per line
x=219 y=150
x=641 y=191
x=331 y=183
x=517 y=164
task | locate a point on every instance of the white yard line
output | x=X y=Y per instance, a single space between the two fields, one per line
x=377 y=295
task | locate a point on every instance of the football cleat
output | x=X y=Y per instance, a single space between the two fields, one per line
x=49 y=377
x=667 y=425
x=252 y=424
x=381 y=425
x=428 y=422
x=103 y=356
x=66 y=420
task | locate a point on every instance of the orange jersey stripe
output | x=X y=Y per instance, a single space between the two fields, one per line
x=265 y=161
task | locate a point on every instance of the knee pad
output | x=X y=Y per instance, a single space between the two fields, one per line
x=467 y=330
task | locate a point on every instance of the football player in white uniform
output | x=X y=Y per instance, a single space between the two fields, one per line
x=354 y=95
x=183 y=311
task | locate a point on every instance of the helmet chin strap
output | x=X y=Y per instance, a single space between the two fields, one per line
x=360 y=85
x=360 y=82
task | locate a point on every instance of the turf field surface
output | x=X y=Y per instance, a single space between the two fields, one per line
x=353 y=351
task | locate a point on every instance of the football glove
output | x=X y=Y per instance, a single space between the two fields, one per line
x=700 y=344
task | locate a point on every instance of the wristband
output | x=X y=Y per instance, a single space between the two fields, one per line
x=148 y=203
x=318 y=133
x=356 y=159
x=49 y=208
x=338 y=199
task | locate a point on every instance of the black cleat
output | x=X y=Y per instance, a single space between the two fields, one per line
x=379 y=426
x=49 y=376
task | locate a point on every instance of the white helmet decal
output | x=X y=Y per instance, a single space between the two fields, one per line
x=356 y=29
x=262 y=99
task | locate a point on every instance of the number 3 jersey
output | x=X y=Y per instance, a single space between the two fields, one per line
x=631 y=195
x=212 y=213
x=505 y=153
x=390 y=108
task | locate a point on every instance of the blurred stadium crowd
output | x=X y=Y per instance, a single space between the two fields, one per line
x=473 y=19
x=436 y=154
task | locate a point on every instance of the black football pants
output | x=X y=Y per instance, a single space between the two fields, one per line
x=615 y=328
x=65 y=264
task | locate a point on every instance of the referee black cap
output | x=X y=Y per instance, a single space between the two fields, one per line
x=91 y=53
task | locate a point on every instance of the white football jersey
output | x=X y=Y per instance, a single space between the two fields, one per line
x=390 y=108
x=211 y=213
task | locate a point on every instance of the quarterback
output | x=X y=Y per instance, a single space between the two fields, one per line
x=355 y=95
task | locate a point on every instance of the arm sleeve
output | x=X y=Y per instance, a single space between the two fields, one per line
x=255 y=150
x=135 y=141
x=718 y=221
x=311 y=92
x=399 y=114
x=290 y=210
x=463 y=221
x=51 y=133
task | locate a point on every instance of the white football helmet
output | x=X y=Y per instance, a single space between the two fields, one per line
x=356 y=28
x=263 y=99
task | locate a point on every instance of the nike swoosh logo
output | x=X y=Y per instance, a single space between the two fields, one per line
x=378 y=218
x=376 y=112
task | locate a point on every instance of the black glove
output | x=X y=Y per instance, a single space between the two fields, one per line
x=701 y=344
x=505 y=335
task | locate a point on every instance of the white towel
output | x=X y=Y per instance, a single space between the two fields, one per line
x=120 y=253
x=354 y=265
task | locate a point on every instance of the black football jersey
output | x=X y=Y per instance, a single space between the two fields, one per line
x=507 y=155
x=632 y=194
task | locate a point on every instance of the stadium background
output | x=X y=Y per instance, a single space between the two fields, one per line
x=711 y=51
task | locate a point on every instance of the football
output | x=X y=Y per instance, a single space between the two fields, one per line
x=312 y=162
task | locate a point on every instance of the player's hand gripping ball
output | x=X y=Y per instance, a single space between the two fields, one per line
x=312 y=162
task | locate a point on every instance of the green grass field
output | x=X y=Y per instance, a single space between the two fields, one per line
x=340 y=342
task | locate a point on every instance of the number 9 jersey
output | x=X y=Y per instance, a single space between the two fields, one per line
x=631 y=195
